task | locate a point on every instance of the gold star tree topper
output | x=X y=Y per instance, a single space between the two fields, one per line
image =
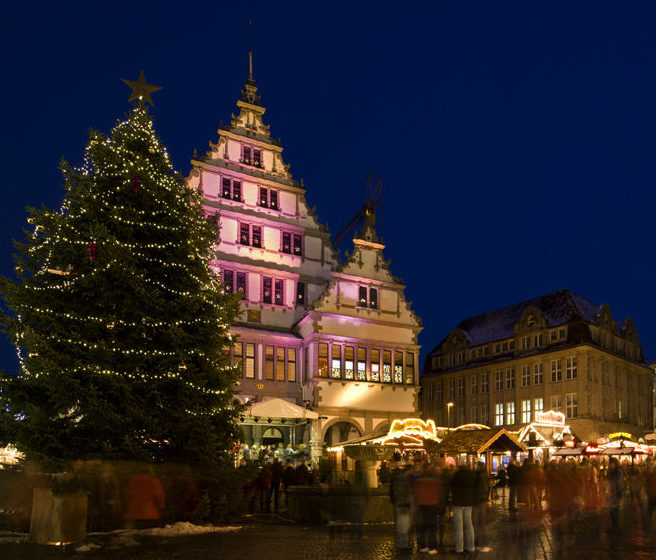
x=141 y=89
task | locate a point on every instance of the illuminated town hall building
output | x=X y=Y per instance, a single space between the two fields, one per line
x=337 y=338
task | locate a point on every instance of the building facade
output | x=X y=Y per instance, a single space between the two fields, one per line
x=555 y=352
x=338 y=338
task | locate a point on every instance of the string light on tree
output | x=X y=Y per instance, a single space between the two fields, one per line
x=116 y=314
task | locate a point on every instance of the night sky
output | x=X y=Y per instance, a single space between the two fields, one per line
x=516 y=141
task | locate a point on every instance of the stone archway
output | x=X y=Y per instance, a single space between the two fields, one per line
x=340 y=431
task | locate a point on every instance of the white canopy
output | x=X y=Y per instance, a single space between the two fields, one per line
x=280 y=408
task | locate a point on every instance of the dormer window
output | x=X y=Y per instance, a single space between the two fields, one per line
x=231 y=189
x=251 y=156
x=367 y=297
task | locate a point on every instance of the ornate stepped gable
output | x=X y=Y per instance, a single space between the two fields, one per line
x=240 y=176
x=366 y=268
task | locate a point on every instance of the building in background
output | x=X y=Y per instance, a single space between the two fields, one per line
x=337 y=338
x=555 y=352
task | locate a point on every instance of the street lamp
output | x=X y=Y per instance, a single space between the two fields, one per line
x=448 y=415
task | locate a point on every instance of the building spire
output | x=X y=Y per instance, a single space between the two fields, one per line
x=251 y=80
x=249 y=93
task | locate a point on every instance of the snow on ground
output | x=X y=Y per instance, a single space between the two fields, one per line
x=183 y=528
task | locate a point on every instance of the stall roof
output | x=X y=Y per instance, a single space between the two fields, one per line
x=280 y=408
x=569 y=451
x=620 y=451
x=478 y=441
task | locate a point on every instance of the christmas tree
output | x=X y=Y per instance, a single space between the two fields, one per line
x=120 y=326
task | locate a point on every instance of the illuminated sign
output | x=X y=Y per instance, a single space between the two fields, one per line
x=550 y=417
x=412 y=430
x=623 y=435
x=592 y=449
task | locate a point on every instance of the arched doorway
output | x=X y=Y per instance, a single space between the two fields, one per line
x=340 y=432
x=272 y=436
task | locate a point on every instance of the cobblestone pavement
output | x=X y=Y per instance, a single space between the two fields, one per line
x=587 y=536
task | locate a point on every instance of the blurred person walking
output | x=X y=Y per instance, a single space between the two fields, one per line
x=463 y=499
x=401 y=498
x=482 y=495
x=428 y=493
x=616 y=490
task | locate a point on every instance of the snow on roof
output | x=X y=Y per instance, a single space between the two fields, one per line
x=558 y=308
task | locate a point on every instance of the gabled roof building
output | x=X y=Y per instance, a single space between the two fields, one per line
x=554 y=352
x=338 y=338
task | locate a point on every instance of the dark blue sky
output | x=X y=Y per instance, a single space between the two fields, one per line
x=516 y=141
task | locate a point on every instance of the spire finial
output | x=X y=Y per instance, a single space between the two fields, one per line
x=251 y=80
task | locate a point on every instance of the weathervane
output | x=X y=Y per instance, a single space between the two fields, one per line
x=141 y=89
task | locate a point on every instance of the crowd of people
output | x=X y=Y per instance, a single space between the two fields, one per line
x=425 y=496
x=265 y=490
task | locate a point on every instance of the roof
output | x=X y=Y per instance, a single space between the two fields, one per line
x=279 y=408
x=478 y=441
x=558 y=308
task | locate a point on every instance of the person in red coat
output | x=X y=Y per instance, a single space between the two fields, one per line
x=143 y=499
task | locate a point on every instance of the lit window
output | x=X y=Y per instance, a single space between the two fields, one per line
x=498 y=414
x=234 y=282
x=292 y=243
x=249 y=362
x=268 y=363
x=348 y=362
x=409 y=368
x=257 y=236
x=278 y=293
x=398 y=366
x=267 y=290
x=510 y=413
x=336 y=368
x=367 y=297
x=387 y=366
x=272 y=291
x=246 y=155
x=538 y=407
x=244 y=234
x=280 y=363
x=251 y=156
x=323 y=360
x=362 y=364
x=375 y=365
x=526 y=411
x=231 y=189
x=300 y=293
x=291 y=364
